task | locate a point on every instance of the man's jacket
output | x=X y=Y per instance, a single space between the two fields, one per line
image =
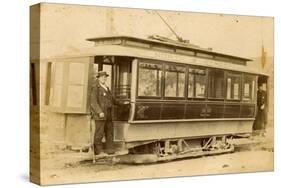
x=102 y=101
x=261 y=98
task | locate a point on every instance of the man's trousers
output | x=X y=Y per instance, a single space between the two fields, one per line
x=103 y=127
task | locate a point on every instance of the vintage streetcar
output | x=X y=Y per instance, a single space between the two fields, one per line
x=185 y=100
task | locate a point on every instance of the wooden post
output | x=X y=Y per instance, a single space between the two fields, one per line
x=223 y=139
x=180 y=145
x=214 y=140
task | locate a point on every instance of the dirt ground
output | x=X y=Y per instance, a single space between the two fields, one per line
x=60 y=166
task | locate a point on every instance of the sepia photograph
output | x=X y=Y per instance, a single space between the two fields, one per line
x=127 y=94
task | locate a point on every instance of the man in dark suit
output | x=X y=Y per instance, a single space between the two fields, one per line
x=102 y=102
x=261 y=119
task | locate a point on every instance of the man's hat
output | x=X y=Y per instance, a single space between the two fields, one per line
x=102 y=73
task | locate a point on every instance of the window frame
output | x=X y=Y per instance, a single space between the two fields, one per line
x=253 y=99
x=194 y=86
x=224 y=85
x=116 y=72
x=161 y=79
x=238 y=75
x=185 y=81
x=61 y=98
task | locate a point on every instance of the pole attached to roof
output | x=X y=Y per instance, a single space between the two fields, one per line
x=178 y=37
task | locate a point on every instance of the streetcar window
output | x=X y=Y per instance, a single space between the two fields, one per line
x=248 y=88
x=216 y=84
x=174 y=81
x=196 y=83
x=233 y=86
x=149 y=79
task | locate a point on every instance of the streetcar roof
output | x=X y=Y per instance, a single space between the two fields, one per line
x=142 y=53
x=165 y=43
x=113 y=46
x=117 y=50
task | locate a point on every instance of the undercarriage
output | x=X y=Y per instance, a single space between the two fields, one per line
x=170 y=149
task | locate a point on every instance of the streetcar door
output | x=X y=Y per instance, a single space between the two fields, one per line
x=122 y=87
x=119 y=82
x=262 y=115
x=262 y=81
